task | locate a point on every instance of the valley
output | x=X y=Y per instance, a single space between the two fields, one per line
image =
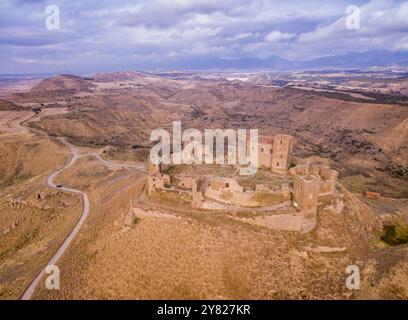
x=69 y=142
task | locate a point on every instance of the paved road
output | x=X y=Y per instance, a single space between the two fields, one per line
x=85 y=209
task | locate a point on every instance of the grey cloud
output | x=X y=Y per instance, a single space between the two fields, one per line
x=170 y=30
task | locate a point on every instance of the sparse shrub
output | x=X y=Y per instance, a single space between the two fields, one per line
x=170 y=169
x=135 y=221
x=395 y=234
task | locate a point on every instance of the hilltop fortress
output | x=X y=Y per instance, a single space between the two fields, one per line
x=283 y=195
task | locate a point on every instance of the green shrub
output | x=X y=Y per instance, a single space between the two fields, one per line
x=395 y=234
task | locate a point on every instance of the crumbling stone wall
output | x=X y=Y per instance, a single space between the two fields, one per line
x=175 y=189
x=229 y=191
x=157 y=181
x=184 y=182
x=172 y=194
x=328 y=180
x=328 y=177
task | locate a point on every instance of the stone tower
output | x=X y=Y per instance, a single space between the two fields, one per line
x=305 y=197
x=282 y=153
x=197 y=195
x=152 y=168
x=265 y=149
x=329 y=179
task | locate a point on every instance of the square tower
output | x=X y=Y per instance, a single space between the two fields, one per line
x=265 y=149
x=282 y=153
x=305 y=197
x=152 y=168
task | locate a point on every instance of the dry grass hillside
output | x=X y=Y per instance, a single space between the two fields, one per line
x=34 y=219
x=27 y=157
x=226 y=258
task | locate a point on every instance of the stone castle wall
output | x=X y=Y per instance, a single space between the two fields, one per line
x=285 y=222
x=228 y=190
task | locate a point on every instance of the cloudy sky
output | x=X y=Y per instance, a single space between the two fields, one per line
x=102 y=35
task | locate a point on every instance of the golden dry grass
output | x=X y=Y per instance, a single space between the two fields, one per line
x=184 y=254
x=32 y=230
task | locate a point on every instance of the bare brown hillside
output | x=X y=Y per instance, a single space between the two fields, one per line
x=371 y=133
x=9 y=106
x=54 y=89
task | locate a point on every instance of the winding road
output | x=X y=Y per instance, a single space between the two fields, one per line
x=85 y=210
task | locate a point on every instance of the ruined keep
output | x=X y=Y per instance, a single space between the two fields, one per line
x=327 y=177
x=265 y=150
x=275 y=153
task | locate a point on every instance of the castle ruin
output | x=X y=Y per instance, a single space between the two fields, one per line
x=288 y=199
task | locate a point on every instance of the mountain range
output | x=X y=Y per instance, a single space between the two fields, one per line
x=352 y=60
